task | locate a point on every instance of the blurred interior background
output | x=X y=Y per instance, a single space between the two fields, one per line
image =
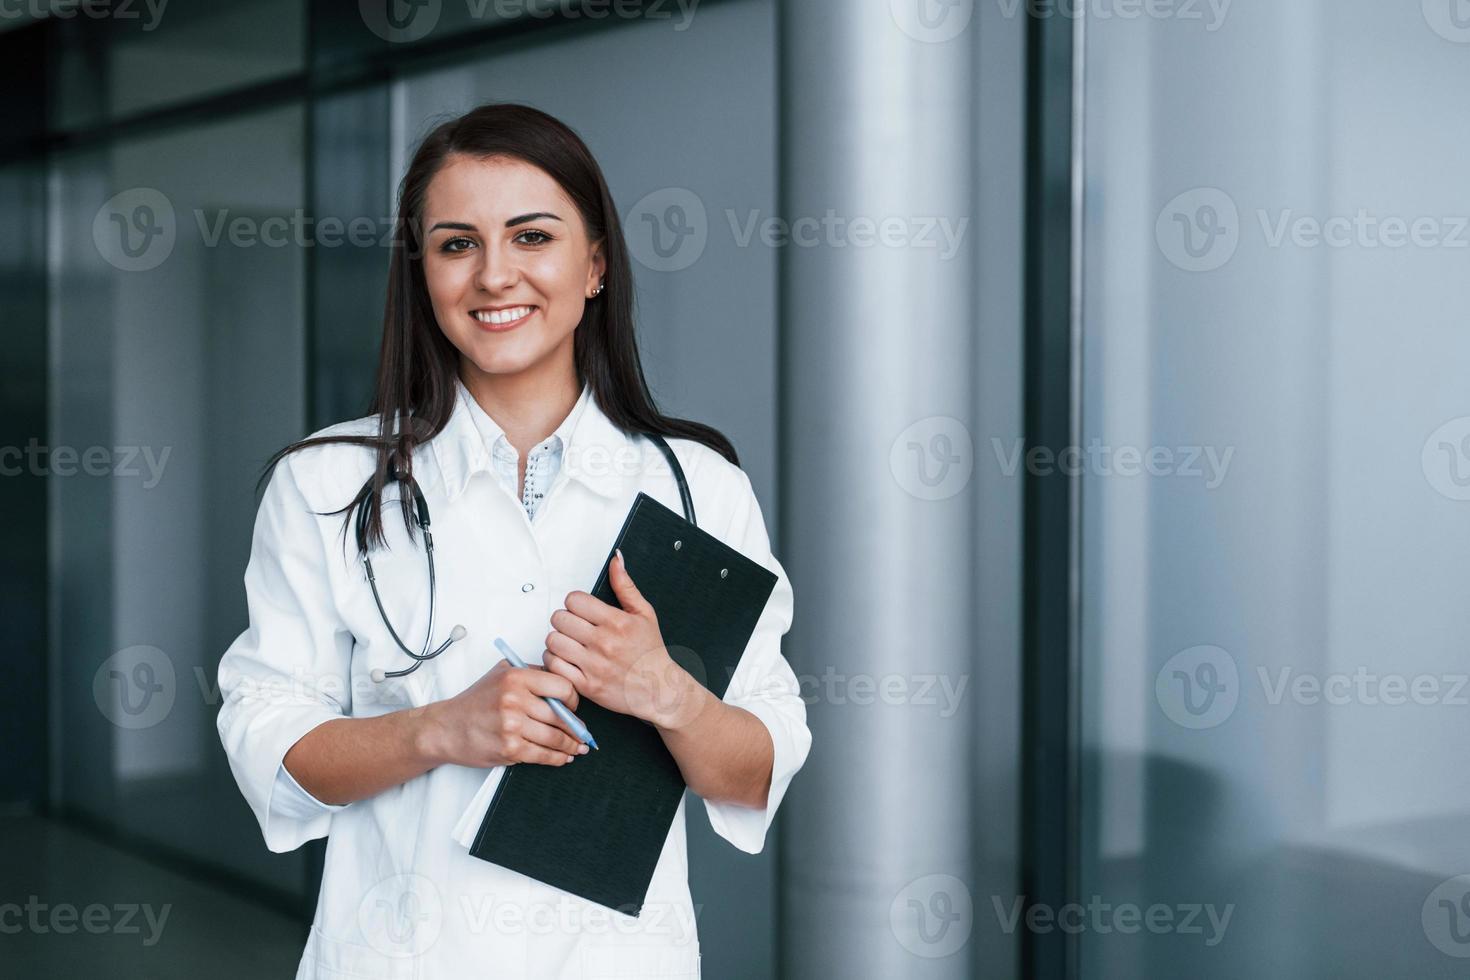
x=1100 y=366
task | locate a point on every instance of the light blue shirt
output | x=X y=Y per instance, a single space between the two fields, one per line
x=543 y=462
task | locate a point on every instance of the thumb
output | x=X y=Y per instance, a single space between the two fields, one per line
x=622 y=583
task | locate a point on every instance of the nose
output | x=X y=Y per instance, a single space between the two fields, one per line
x=498 y=270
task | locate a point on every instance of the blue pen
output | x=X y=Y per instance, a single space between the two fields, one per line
x=561 y=710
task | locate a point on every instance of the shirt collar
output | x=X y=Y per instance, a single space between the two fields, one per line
x=591 y=444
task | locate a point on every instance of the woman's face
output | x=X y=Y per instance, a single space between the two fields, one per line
x=508 y=264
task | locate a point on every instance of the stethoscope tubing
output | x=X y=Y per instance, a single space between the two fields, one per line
x=421 y=509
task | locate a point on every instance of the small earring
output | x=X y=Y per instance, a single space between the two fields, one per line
x=598 y=290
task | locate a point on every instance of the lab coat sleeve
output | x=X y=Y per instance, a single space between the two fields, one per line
x=764 y=684
x=289 y=671
x=292 y=801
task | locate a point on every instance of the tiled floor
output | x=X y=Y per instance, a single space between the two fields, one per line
x=74 y=907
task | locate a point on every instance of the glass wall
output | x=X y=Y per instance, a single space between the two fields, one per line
x=1275 y=437
x=176 y=299
x=148 y=56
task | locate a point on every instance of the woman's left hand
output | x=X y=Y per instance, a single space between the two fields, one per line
x=617 y=657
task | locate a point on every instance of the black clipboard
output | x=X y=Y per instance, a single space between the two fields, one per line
x=596 y=827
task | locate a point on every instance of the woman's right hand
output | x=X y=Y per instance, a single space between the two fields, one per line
x=501 y=720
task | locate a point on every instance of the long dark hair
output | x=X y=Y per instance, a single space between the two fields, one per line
x=417 y=365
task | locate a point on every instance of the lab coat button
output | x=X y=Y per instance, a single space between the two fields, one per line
x=527 y=587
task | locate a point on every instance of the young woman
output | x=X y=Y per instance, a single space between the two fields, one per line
x=509 y=392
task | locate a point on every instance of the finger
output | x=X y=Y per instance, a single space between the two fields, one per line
x=542 y=712
x=628 y=595
x=545 y=684
x=570 y=624
x=570 y=671
x=590 y=608
x=541 y=755
x=570 y=650
x=549 y=737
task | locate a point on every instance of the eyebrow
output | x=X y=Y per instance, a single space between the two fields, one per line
x=510 y=223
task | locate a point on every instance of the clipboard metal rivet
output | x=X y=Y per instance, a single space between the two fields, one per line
x=678 y=545
x=724 y=572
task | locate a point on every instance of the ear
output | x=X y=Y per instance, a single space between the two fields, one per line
x=597 y=272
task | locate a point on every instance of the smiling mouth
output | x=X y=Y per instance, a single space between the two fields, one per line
x=503 y=319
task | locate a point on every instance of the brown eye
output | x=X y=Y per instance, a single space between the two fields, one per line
x=541 y=237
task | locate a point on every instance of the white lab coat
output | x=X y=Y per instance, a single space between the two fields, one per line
x=400 y=896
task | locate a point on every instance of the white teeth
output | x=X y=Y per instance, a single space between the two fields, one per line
x=502 y=316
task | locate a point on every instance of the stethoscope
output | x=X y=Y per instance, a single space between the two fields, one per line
x=421 y=518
